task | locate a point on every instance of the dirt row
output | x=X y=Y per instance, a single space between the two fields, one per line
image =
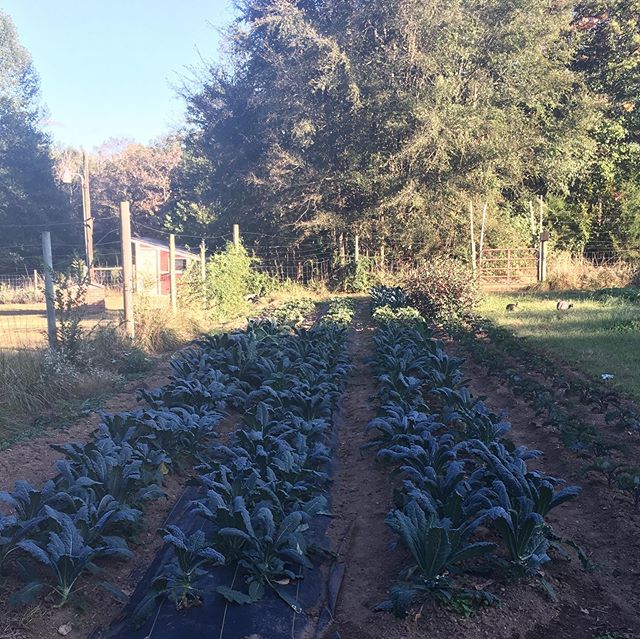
x=602 y=604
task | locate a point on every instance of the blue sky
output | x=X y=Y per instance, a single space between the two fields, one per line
x=108 y=68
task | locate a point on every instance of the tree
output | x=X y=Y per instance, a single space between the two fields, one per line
x=609 y=58
x=124 y=170
x=387 y=116
x=30 y=199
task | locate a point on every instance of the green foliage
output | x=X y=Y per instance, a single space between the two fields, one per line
x=340 y=311
x=294 y=311
x=436 y=548
x=389 y=315
x=28 y=192
x=392 y=297
x=230 y=281
x=70 y=298
x=178 y=578
x=466 y=101
x=65 y=556
x=444 y=291
x=360 y=276
x=227 y=283
x=629 y=481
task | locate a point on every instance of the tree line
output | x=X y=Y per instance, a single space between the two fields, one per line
x=384 y=118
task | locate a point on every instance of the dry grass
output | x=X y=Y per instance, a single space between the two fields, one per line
x=567 y=272
x=38 y=386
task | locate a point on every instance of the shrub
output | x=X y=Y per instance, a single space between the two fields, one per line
x=444 y=290
x=230 y=280
x=360 y=276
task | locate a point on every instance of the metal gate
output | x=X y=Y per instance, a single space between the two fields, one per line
x=508 y=267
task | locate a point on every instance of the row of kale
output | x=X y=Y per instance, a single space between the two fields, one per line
x=461 y=479
x=92 y=508
x=262 y=489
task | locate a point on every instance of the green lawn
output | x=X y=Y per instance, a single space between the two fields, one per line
x=598 y=335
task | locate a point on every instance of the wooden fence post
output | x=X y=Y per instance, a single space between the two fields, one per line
x=540 y=248
x=203 y=261
x=127 y=269
x=544 y=238
x=173 y=293
x=341 y=249
x=35 y=280
x=473 y=238
x=49 y=292
x=484 y=219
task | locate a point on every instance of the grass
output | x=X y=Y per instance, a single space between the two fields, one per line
x=599 y=335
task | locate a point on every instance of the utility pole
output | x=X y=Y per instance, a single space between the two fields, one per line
x=236 y=235
x=49 y=293
x=86 y=212
x=127 y=269
x=172 y=274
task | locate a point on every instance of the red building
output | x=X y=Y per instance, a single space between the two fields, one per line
x=151 y=264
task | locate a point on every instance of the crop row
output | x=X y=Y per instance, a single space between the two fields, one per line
x=547 y=397
x=467 y=497
x=92 y=508
x=261 y=490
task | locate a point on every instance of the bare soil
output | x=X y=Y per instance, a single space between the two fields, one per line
x=589 y=605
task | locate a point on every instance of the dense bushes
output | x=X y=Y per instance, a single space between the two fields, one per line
x=444 y=290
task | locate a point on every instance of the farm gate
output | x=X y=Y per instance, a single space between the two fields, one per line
x=508 y=267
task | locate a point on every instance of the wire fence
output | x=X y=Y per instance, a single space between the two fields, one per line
x=23 y=323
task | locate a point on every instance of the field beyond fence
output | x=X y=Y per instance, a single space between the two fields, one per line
x=24 y=326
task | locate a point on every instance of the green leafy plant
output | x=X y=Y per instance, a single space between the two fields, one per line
x=629 y=482
x=65 y=557
x=607 y=467
x=403 y=315
x=179 y=577
x=436 y=549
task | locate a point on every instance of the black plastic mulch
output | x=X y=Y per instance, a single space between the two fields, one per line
x=270 y=618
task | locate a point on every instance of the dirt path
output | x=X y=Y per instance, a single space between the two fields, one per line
x=361 y=495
